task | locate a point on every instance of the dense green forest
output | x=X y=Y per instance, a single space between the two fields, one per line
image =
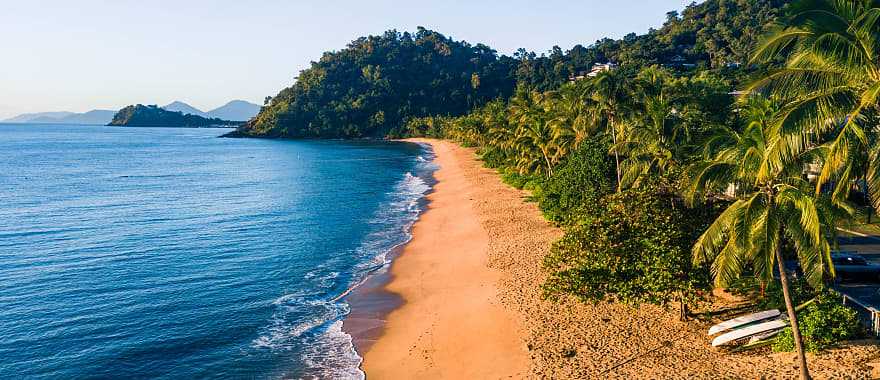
x=378 y=83
x=153 y=116
x=716 y=35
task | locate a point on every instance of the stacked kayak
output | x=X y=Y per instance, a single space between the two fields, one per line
x=752 y=328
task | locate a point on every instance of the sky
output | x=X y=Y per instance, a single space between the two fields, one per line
x=80 y=55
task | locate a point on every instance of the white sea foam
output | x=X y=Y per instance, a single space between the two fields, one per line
x=340 y=361
x=327 y=351
x=399 y=215
x=281 y=333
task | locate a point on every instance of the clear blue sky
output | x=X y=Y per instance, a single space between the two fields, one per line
x=84 y=54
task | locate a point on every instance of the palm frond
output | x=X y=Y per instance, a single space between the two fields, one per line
x=707 y=245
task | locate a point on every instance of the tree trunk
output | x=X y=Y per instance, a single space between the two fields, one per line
x=792 y=316
x=549 y=166
x=616 y=156
x=683 y=310
x=867 y=201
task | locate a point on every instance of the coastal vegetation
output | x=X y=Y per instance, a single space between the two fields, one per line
x=579 y=184
x=152 y=116
x=727 y=144
x=824 y=323
x=632 y=247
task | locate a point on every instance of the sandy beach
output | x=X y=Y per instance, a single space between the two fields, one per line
x=451 y=324
x=470 y=305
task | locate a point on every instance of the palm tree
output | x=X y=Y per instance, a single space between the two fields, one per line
x=607 y=104
x=500 y=135
x=534 y=143
x=772 y=203
x=570 y=117
x=656 y=140
x=831 y=80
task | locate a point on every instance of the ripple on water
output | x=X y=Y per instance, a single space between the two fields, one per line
x=168 y=253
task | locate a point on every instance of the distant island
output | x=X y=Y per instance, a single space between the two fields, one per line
x=235 y=110
x=96 y=117
x=154 y=116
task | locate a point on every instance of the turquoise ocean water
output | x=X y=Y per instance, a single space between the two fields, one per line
x=171 y=253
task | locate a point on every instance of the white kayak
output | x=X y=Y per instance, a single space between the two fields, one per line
x=764 y=336
x=748 y=331
x=743 y=320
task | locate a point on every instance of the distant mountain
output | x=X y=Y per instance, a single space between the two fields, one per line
x=101 y=117
x=178 y=106
x=43 y=120
x=154 y=116
x=98 y=117
x=238 y=110
x=27 y=117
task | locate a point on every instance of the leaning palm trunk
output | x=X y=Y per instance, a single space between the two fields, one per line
x=616 y=155
x=792 y=316
x=548 y=163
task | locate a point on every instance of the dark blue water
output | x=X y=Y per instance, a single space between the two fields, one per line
x=170 y=253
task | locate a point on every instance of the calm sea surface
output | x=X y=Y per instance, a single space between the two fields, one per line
x=171 y=253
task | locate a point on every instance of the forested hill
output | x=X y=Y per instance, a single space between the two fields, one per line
x=378 y=83
x=715 y=34
x=154 y=116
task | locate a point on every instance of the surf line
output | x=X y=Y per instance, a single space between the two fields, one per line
x=350 y=289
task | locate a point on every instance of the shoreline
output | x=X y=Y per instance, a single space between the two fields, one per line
x=435 y=312
x=369 y=302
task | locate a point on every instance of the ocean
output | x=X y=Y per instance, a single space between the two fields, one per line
x=170 y=253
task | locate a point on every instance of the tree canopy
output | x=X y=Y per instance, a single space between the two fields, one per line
x=715 y=34
x=378 y=82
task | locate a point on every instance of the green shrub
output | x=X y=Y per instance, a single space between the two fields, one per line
x=535 y=185
x=493 y=157
x=519 y=181
x=823 y=324
x=637 y=250
x=577 y=185
x=750 y=287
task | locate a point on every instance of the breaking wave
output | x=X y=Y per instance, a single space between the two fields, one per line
x=310 y=323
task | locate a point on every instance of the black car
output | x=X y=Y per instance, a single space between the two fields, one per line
x=853 y=267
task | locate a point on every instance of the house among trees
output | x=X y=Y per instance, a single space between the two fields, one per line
x=598 y=68
x=680 y=62
x=577 y=76
x=732 y=64
x=594 y=71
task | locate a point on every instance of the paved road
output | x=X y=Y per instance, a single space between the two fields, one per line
x=866 y=293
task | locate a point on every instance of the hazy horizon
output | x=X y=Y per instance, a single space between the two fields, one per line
x=93 y=55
